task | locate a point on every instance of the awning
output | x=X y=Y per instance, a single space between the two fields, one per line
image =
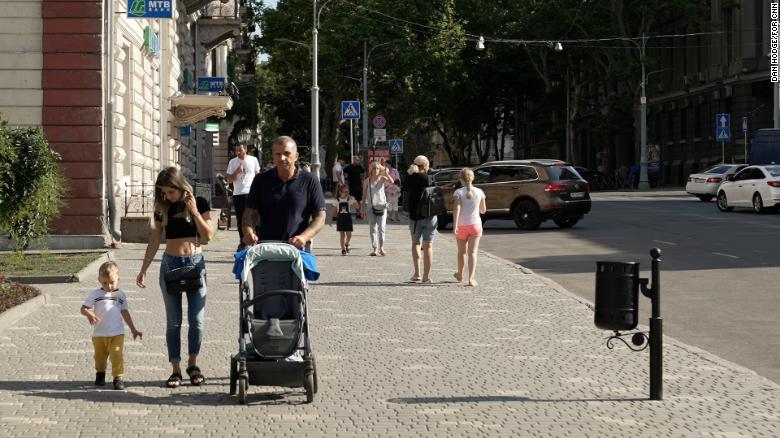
x=193 y=108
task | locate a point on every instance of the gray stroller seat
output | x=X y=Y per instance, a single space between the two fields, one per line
x=277 y=318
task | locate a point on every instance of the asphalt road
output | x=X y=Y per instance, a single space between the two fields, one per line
x=719 y=271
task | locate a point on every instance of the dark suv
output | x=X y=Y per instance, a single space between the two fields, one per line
x=528 y=192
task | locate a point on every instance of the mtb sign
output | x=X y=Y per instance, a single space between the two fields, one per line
x=150 y=8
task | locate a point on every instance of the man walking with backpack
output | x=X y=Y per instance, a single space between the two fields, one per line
x=422 y=223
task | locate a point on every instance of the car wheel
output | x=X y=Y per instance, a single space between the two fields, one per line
x=723 y=204
x=758 y=203
x=526 y=215
x=442 y=221
x=566 y=222
x=705 y=198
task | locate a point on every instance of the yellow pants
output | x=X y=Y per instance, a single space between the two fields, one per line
x=109 y=347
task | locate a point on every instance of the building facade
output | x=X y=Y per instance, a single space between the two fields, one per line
x=112 y=94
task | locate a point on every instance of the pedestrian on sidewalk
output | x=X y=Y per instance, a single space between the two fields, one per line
x=105 y=309
x=423 y=229
x=354 y=175
x=374 y=206
x=241 y=172
x=468 y=203
x=342 y=214
x=187 y=224
x=286 y=202
x=393 y=192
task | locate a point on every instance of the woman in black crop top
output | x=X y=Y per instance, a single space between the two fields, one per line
x=187 y=224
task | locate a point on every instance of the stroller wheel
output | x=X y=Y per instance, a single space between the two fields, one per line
x=308 y=384
x=314 y=372
x=233 y=375
x=242 y=387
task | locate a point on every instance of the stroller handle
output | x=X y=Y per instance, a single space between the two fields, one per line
x=273 y=293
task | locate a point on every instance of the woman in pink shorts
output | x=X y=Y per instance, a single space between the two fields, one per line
x=468 y=203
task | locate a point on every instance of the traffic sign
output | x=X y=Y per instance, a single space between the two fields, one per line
x=380 y=132
x=379 y=121
x=396 y=146
x=744 y=124
x=723 y=127
x=350 y=110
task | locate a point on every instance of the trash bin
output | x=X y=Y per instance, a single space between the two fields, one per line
x=617 y=295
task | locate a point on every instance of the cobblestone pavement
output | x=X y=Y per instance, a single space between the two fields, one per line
x=517 y=356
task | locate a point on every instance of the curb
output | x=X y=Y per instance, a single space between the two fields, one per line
x=71 y=278
x=14 y=314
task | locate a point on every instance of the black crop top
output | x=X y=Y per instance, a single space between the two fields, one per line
x=178 y=227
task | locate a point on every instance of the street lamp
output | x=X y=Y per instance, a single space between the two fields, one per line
x=366 y=57
x=644 y=184
x=315 y=92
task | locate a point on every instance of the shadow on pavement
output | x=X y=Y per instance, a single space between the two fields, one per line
x=184 y=396
x=500 y=398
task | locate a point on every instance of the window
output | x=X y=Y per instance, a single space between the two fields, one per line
x=718 y=169
x=773 y=171
x=504 y=174
x=526 y=173
x=562 y=173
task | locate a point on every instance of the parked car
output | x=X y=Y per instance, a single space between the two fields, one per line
x=445 y=176
x=705 y=185
x=528 y=192
x=756 y=187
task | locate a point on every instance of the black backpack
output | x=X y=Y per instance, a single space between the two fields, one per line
x=431 y=203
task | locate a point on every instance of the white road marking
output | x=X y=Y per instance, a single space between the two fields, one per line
x=665 y=242
x=725 y=255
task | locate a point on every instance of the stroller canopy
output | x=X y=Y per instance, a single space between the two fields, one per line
x=273 y=251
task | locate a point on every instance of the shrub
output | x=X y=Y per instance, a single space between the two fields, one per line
x=31 y=186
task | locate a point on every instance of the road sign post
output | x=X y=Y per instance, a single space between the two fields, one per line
x=723 y=132
x=744 y=134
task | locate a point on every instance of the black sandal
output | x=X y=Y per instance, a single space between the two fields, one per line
x=174 y=381
x=196 y=378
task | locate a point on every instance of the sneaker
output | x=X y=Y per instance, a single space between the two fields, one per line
x=100 y=378
x=343 y=252
x=118 y=383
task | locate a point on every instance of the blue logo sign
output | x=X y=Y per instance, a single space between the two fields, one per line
x=149 y=8
x=396 y=146
x=211 y=85
x=184 y=131
x=350 y=110
x=723 y=127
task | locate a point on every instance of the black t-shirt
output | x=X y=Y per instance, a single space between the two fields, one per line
x=354 y=173
x=415 y=183
x=285 y=208
x=178 y=226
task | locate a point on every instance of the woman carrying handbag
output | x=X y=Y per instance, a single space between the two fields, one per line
x=374 y=206
x=187 y=224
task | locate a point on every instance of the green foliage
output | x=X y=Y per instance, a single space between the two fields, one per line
x=31 y=186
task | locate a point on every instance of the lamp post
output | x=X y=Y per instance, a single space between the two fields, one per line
x=315 y=91
x=644 y=184
x=366 y=56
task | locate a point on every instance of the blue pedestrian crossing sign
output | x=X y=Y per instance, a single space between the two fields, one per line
x=396 y=146
x=350 y=110
x=723 y=127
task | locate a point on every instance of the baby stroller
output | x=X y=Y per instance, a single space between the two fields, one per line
x=273 y=316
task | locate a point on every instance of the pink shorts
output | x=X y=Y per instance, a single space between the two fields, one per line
x=465 y=231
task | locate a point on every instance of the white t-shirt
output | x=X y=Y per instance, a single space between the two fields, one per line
x=243 y=181
x=108 y=306
x=469 y=208
x=338 y=177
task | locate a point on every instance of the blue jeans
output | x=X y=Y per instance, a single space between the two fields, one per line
x=196 y=306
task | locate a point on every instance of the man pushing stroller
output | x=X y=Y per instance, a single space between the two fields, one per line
x=287 y=203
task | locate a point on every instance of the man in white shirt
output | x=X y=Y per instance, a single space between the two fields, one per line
x=338 y=174
x=241 y=172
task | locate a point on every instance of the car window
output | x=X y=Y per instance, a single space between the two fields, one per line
x=526 y=173
x=773 y=171
x=481 y=176
x=445 y=176
x=735 y=169
x=742 y=175
x=562 y=173
x=756 y=173
x=718 y=169
x=503 y=174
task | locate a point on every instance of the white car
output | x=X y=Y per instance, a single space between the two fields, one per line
x=705 y=185
x=756 y=187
